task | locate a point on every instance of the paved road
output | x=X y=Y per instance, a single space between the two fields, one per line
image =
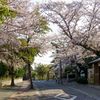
x=49 y=90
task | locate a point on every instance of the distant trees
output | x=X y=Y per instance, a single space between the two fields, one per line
x=41 y=70
x=33 y=75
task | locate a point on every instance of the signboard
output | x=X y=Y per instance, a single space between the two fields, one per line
x=91 y=76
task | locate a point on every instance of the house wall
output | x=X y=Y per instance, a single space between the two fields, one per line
x=8 y=82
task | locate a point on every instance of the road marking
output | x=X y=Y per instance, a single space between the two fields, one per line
x=40 y=81
x=90 y=95
x=73 y=97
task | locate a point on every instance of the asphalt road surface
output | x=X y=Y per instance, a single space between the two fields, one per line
x=50 y=90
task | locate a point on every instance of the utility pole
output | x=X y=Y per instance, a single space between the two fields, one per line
x=60 y=71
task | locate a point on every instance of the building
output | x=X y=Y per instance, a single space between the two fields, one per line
x=96 y=67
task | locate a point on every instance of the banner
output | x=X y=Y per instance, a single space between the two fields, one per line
x=91 y=76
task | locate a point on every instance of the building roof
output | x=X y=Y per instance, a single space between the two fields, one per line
x=94 y=61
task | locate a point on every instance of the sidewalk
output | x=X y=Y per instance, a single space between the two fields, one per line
x=90 y=90
x=19 y=92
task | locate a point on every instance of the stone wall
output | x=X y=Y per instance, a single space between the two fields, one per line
x=8 y=82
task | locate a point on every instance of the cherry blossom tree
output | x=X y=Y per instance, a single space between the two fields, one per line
x=79 y=21
x=68 y=54
x=29 y=25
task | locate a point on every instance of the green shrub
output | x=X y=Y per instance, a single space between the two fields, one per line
x=81 y=80
x=64 y=75
x=33 y=74
x=68 y=69
x=3 y=69
x=19 y=72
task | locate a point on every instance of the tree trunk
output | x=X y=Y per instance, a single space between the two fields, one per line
x=42 y=77
x=12 y=76
x=30 y=76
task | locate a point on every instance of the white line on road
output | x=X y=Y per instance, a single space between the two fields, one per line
x=40 y=81
x=83 y=92
x=72 y=98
